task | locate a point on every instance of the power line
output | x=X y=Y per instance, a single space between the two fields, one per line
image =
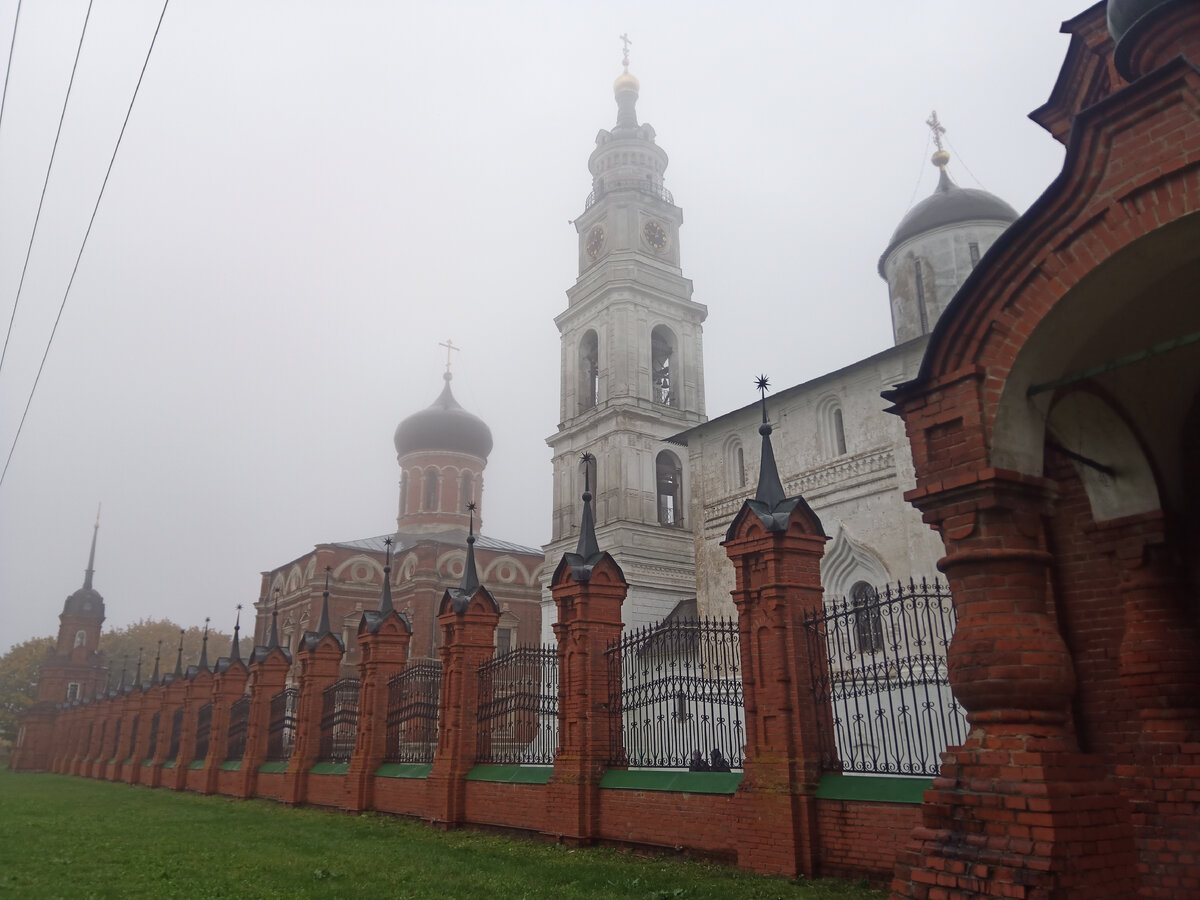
x=8 y=68
x=83 y=244
x=46 y=181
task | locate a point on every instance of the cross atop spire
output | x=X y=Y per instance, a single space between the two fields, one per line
x=625 y=53
x=936 y=129
x=450 y=348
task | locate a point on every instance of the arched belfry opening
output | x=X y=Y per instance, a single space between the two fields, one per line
x=589 y=370
x=664 y=366
x=668 y=480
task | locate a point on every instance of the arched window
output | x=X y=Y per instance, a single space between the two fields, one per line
x=81 y=639
x=663 y=374
x=404 y=493
x=589 y=371
x=868 y=625
x=431 y=489
x=919 y=272
x=466 y=490
x=739 y=467
x=669 y=482
x=839 y=432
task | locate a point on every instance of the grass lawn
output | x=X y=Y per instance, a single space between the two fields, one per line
x=78 y=838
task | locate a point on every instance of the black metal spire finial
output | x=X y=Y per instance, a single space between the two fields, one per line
x=202 y=666
x=235 y=652
x=385 y=592
x=137 y=675
x=121 y=683
x=770 y=488
x=179 y=656
x=273 y=638
x=157 y=657
x=588 y=546
x=323 y=623
x=470 y=577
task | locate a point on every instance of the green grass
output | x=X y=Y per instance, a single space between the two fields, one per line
x=78 y=838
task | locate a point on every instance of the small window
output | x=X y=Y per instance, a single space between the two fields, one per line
x=431 y=489
x=403 y=493
x=81 y=639
x=504 y=641
x=72 y=691
x=669 y=479
x=974 y=248
x=466 y=490
x=920 y=282
x=739 y=463
x=868 y=625
x=839 y=432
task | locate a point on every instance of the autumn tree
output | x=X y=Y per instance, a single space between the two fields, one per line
x=121 y=647
x=19 y=669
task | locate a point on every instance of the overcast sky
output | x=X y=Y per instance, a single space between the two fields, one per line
x=311 y=196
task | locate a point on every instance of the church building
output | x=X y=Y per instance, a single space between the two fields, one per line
x=442 y=451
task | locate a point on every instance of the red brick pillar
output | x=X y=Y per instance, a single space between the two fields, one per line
x=319 y=656
x=776 y=547
x=152 y=701
x=83 y=743
x=173 y=692
x=1018 y=810
x=198 y=691
x=268 y=676
x=229 y=685
x=129 y=763
x=383 y=641
x=589 y=589
x=118 y=735
x=65 y=732
x=468 y=621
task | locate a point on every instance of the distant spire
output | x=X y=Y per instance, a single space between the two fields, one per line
x=157 y=656
x=625 y=88
x=179 y=656
x=385 y=593
x=137 y=677
x=770 y=488
x=203 y=664
x=91 y=566
x=235 y=652
x=121 y=683
x=470 y=577
x=273 y=638
x=588 y=545
x=323 y=623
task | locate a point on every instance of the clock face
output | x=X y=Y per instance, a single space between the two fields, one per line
x=595 y=241
x=656 y=235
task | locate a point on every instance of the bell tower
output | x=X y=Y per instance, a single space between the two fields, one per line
x=632 y=372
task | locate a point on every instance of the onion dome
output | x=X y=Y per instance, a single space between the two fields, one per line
x=949 y=204
x=1124 y=14
x=444 y=426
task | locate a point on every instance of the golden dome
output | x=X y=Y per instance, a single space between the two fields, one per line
x=625 y=82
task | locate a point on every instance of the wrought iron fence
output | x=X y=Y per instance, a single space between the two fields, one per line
x=879 y=671
x=176 y=733
x=239 y=718
x=203 y=731
x=674 y=688
x=281 y=732
x=339 y=721
x=412 y=713
x=518 y=708
x=153 y=748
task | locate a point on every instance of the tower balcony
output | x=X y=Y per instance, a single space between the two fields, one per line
x=629 y=184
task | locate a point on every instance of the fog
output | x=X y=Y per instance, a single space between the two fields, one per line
x=309 y=197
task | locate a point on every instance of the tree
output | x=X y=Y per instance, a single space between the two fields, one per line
x=121 y=647
x=19 y=669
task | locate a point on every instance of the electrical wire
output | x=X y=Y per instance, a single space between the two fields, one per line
x=83 y=244
x=920 y=172
x=958 y=156
x=8 y=68
x=45 y=182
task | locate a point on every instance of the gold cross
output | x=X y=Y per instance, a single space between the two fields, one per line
x=450 y=348
x=626 y=41
x=936 y=127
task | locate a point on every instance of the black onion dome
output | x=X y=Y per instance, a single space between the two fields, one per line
x=444 y=426
x=949 y=204
x=1122 y=14
x=85 y=601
